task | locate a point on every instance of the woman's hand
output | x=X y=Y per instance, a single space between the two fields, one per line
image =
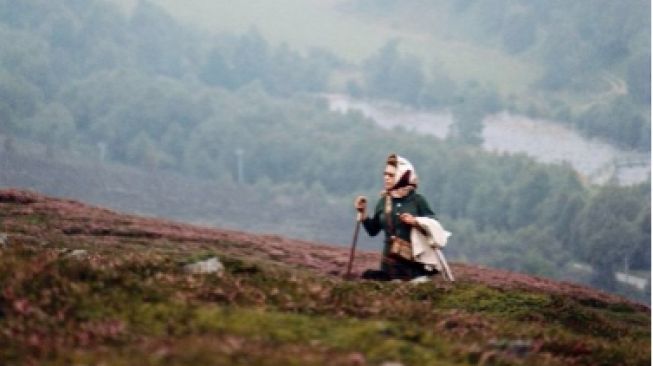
x=408 y=219
x=360 y=204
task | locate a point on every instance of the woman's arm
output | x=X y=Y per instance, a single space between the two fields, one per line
x=373 y=224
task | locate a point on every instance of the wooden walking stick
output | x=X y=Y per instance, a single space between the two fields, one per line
x=359 y=218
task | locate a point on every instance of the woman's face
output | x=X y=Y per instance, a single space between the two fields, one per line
x=389 y=176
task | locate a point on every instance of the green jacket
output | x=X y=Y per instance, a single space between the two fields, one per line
x=414 y=204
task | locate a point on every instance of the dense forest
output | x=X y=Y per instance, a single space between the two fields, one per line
x=594 y=56
x=143 y=90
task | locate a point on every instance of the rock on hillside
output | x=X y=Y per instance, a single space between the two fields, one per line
x=277 y=301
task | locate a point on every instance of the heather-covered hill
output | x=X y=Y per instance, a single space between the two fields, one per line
x=86 y=285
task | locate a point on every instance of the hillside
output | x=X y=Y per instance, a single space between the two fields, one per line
x=166 y=194
x=86 y=285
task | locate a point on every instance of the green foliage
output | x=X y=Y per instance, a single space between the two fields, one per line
x=574 y=44
x=639 y=78
x=519 y=32
x=620 y=119
x=471 y=106
x=468 y=126
x=52 y=124
x=611 y=231
x=159 y=46
x=390 y=75
x=123 y=303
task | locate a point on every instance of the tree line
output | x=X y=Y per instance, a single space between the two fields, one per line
x=593 y=49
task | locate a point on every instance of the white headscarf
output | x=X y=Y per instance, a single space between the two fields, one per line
x=406 y=172
x=406 y=179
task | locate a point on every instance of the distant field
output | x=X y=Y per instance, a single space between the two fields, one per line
x=317 y=23
x=300 y=23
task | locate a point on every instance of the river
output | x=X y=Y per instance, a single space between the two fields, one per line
x=544 y=140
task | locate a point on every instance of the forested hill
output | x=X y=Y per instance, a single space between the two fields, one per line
x=584 y=63
x=87 y=83
x=83 y=284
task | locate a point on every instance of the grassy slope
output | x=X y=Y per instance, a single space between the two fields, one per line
x=129 y=299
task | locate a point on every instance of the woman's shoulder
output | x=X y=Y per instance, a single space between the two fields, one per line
x=419 y=198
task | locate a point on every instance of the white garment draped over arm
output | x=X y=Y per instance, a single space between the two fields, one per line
x=427 y=244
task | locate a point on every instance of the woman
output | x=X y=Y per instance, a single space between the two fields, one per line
x=395 y=214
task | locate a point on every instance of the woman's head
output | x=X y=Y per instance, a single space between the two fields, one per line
x=389 y=177
x=398 y=173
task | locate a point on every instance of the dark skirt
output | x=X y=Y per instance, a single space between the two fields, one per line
x=396 y=268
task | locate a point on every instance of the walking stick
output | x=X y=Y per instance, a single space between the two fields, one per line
x=359 y=218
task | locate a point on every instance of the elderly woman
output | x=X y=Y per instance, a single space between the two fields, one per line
x=396 y=214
